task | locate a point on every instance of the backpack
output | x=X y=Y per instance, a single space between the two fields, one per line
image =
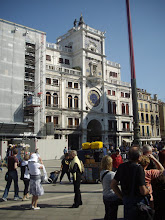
x=82 y=166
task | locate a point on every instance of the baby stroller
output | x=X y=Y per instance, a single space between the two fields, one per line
x=53 y=176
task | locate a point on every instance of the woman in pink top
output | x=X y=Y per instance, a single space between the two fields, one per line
x=150 y=174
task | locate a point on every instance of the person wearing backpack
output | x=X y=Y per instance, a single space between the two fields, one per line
x=76 y=170
x=110 y=199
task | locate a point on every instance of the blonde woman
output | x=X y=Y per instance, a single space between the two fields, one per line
x=110 y=199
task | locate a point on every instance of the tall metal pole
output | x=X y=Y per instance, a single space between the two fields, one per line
x=133 y=78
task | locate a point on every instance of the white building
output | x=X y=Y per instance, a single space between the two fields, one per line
x=85 y=97
x=67 y=89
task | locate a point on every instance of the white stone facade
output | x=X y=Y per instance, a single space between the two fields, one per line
x=78 y=65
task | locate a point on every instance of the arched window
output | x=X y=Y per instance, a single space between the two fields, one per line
x=48 y=99
x=109 y=107
x=76 y=102
x=55 y=99
x=127 y=109
x=123 y=108
x=114 y=107
x=69 y=101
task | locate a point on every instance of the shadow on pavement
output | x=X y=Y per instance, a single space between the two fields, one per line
x=103 y=219
x=42 y=206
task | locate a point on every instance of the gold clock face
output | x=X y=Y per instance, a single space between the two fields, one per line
x=94 y=98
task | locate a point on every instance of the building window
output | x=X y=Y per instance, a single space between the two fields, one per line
x=69 y=101
x=55 y=121
x=109 y=92
x=156 y=107
x=151 y=107
x=122 y=94
x=158 y=132
x=48 y=119
x=127 y=95
x=114 y=107
x=76 y=122
x=55 y=82
x=141 y=106
x=69 y=84
x=152 y=119
x=60 y=60
x=48 y=57
x=113 y=74
x=67 y=61
x=146 y=107
x=142 y=117
x=112 y=125
x=126 y=126
x=113 y=93
x=143 y=134
x=147 y=119
x=48 y=99
x=76 y=85
x=157 y=120
x=148 y=131
x=109 y=107
x=123 y=109
x=127 y=109
x=76 y=102
x=55 y=99
x=48 y=81
x=70 y=122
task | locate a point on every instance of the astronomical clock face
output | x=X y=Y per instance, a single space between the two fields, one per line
x=94 y=98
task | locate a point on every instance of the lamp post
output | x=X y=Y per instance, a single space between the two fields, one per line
x=133 y=78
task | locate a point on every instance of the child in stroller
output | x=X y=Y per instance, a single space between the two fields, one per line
x=53 y=176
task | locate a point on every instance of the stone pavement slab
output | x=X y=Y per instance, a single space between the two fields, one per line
x=56 y=202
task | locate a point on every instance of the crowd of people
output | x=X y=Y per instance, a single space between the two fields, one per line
x=138 y=178
x=31 y=166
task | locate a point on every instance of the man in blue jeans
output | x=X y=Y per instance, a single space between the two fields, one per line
x=131 y=177
x=12 y=175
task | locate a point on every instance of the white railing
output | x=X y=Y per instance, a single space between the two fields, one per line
x=58 y=47
x=117 y=82
x=113 y=64
x=63 y=69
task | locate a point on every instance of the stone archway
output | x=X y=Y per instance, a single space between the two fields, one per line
x=94 y=130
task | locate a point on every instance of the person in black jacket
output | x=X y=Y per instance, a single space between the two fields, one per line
x=65 y=167
x=76 y=170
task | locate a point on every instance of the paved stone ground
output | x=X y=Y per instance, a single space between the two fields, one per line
x=56 y=202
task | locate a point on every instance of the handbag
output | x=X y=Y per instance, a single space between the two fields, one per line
x=144 y=211
x=26 y=174
x=7 y=176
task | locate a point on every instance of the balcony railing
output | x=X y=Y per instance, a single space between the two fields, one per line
x=63 y=69
x=58 y=47
x=126 y=129
x=73 y=126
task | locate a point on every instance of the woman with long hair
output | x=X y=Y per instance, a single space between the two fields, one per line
x=110 y=199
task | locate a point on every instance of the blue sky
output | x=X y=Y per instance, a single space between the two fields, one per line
x=148 y=24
